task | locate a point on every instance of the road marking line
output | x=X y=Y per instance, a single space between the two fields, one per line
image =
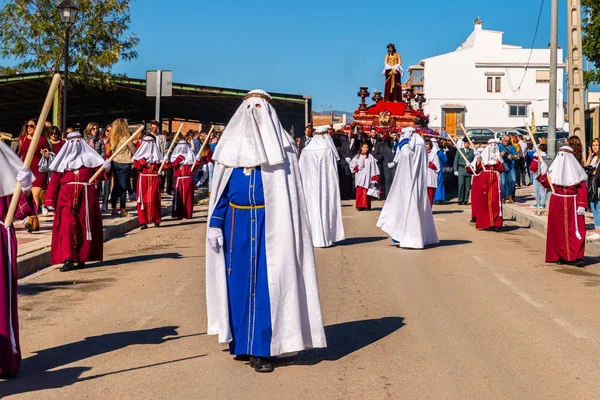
x=479 y=260
x=347 y=216
x=570 y=328
x=439 y=219
x=503 y=279
x=528 y=299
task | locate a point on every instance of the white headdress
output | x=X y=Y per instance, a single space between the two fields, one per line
x=320 y=142
x=183 y=149
x=491 y=155
x=566 y=170
x=10 y=164
x=75 y=154
x=149 y=151
x=254 y=136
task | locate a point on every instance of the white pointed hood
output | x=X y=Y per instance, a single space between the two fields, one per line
x=149 y=151
x=565 y=169
x=75 y=154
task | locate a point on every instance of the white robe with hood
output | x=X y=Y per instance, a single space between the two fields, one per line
x=318 y=167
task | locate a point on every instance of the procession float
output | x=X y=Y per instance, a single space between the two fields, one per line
x=395 y=108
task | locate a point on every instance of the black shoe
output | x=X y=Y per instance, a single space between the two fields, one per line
x=560 y=261
x=261 y=364
x=144 y=226
x=80 y=265
x=156 y=225
x=496 y=229
x=242 y=357
x=68 y=266
x=472 y=220
x=28 y=227
x=579 y=264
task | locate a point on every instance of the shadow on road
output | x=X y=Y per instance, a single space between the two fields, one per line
x=448 y=212
x=133 y=259
x=346 y=338
x=33 y=289
x=36 y=371
x=446 y=243
x=176 y=223
x=361 y=240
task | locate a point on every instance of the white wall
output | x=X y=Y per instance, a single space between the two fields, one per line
x=454 y=78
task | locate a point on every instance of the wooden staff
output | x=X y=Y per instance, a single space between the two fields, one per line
x=462 y=127
x=539 y=154
x=10 y=215
x=170 y=148
x=203 y=145
x=119 y=150
x=460 y=152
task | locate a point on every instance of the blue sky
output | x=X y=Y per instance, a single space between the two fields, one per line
x=325 y=48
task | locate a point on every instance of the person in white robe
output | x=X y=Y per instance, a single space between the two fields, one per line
x=366 y=177
x=261 y=281
x=318 y=167
x=406 y=215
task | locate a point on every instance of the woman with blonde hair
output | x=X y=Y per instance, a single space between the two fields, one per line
x=121 y=165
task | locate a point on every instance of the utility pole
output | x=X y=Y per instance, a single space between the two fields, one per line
x=575 y=68
x=553 y=80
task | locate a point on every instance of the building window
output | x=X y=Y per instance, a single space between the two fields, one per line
x=542 y=76
x=517 y=111
x=545 y=115
x=490 y=84
x=498 y=84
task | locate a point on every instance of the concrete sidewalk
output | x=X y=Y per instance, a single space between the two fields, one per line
x=521 y=212
x=34 y=248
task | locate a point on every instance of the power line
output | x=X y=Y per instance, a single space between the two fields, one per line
x=537 y=27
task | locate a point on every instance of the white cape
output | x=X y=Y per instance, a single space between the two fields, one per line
x=318 y=167
x=291 y=272
x=10 y=164
x=367 y=169
x=406 y=215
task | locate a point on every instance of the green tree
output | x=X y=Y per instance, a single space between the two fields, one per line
x=591 y=38
x=31 y=34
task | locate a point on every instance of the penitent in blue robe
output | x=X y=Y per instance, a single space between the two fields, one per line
x=440 y=192
x=240 y=214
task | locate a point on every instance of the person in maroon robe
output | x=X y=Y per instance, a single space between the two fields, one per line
x=147 y=160
x=182 y=161
x=565 y=237
x=77 y=235
x=12 y=172
x=476 y=184
x=487 y=203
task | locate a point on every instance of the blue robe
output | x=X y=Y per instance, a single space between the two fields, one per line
x=240 y=214
x=440 y=192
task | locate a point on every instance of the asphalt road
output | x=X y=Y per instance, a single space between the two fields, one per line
x=478 y=317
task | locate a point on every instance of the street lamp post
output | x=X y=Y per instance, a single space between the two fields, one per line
x=68 y=14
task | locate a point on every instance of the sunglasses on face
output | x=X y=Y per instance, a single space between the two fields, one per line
x=31 y=126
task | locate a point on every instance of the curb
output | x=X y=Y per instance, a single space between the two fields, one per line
x=39 y=259
x=539 y=224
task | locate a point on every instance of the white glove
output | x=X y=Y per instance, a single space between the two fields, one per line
x=50 y=208
x=580 y=211
x=215 y=238
x=348 y=159
x=107 y=165
x=25 y=178
x=455 y=173
x=391 y=165
x=543 y=168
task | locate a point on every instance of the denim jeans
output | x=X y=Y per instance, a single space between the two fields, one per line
x=207 y=172
x=121 y=183
x=539 y=191
x=595 y=206
x=507 y=180
x=105 y=193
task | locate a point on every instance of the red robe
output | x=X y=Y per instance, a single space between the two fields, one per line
x=183 y=198
x=148 y=192
x=476 y=190
x=487 y=203
x=562 y=242
x=10 y=349
x=77 y=229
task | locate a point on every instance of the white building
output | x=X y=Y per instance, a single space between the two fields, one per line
x=487 y=84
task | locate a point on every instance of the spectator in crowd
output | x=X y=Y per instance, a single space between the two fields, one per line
x=577 y=147
x=525 y=165
x=105 y=185
x=539 y=191
x=507 y=177
x=376 y=145
x=528 y=159
x=56 y=142
x=433 y=167
x=440 y=192
x=389 y=167
x=196 y=146
x=308 y=134
x=591 y=167
x=518 y=161
x=206 y=163
x=350 y=148
x=460 y=170
x=121 y=166
x=92 y=137
x=40 y=184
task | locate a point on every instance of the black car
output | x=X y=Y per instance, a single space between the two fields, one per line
x=481 y=135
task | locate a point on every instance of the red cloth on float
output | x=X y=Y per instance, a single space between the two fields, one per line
x=393 y=86
x=487 y=204
x=76 y=213
x=41 y=178
x=148 y=192
x=183 y=198
x=10 y=355
x=562 y=242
